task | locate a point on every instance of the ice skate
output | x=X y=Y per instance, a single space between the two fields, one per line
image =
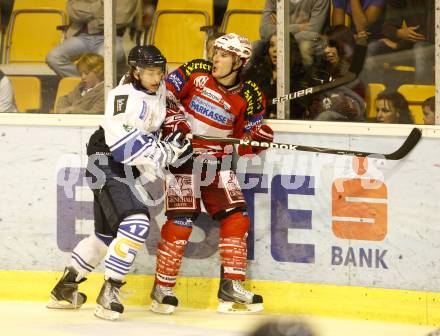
x=109 y=305
x=435 y=332
x=235 y=299
x=65 y=294
x=164 y=300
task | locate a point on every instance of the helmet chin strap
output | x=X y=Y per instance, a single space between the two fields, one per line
x=230 y=72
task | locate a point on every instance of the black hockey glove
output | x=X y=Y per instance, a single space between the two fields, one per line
x=176 y=149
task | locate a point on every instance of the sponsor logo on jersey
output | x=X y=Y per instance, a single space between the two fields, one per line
x=201 y=66
x=120 y=104
x=127 y=128
x=253 y=97
x=183 y=222
x=175 y=78
x=211 y=94
x=252 y=122
x=144 y=110
x=200 y=81
x=215 y=96
x=166 y=278
x=210 y=111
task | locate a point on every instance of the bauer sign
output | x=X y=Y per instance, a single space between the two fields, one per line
x=293 y=95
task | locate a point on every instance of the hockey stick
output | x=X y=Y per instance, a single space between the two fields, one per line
x=356 y=66
x=410 y=142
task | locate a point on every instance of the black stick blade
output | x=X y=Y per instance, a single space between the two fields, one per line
x=410 y=142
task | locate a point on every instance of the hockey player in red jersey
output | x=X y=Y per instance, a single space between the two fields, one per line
x=216 y=103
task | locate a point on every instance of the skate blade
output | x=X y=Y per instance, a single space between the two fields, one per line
x=106 y=314
x=160 y=308
x=57 y=304
x=239 y=308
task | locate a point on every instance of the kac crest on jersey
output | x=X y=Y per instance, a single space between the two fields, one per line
x=200 y=81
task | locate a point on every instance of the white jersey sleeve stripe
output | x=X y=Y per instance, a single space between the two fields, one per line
x=139 y=153
x=133 y=147
x=125 y=139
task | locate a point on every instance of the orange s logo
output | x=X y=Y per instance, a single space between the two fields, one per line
x=359 y=211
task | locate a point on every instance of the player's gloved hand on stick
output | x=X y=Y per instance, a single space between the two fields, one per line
x=175 y=121
x=261 y=133
x=176 y=148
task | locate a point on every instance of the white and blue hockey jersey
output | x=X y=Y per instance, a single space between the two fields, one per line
x=132 y=124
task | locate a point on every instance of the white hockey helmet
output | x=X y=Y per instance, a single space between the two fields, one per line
x=236 y=44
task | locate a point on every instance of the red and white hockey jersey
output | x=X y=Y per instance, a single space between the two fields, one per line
x=212 y=109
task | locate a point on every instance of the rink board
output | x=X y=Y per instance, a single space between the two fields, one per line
x=325 y=239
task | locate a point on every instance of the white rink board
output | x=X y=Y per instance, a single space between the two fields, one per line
x=40 y=224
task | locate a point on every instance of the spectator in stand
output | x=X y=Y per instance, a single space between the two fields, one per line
x=148 y=8
x=365 y=15
x=88 y=96
x=7 y=100
x=339 y=45
x=412 y=43
x=345 y=103
x=86 y=33
x=5 y=13
x=392 y=108
x=306 y=21
x=428 y=107
x=263 y=71
x=341 y=104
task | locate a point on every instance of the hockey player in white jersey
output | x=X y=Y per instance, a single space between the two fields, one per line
x=125 y=147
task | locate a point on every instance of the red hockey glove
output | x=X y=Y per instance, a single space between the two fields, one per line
x=262 y=132
x=175 y=121
x=259 y=132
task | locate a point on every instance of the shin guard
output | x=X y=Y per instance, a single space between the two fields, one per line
x=131 y=236
x=232 y=245
x=175 y=234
